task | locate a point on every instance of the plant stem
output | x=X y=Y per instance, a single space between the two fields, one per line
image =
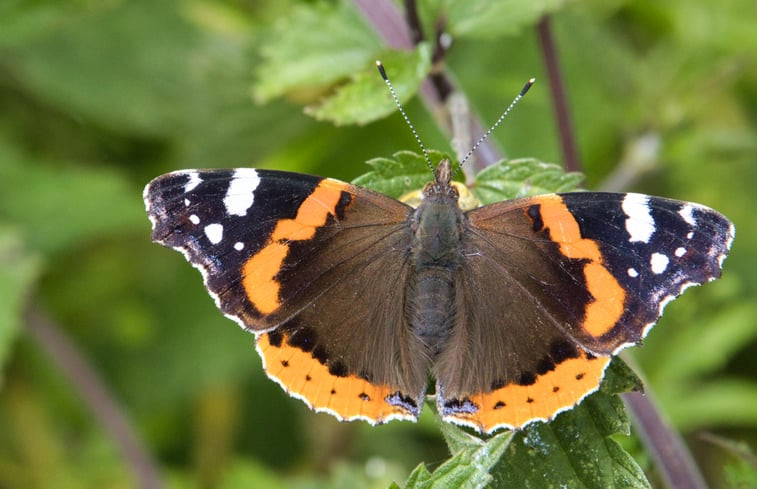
x=672 y=458
x=559 y=100
x=72 y=364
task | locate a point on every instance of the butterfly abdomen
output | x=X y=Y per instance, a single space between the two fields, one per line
x=431 y=307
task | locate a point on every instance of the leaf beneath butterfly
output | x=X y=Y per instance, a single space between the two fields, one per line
x=404 y=172
x=468 y=468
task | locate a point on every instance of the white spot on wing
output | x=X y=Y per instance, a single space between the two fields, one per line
x=679 y=252
x=633 y=273
x=214 y=232
x=687 y=213
x=239 y=246
x=690 y=235
x=194 y=219
x=659 y=263
x=240 y=194
x=194 y=181
x=639 y=223
x=186 y=202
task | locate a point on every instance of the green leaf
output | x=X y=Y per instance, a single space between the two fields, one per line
x=419 y=476
x=19 y=269
x=408 y=171
x=366 y=98
x=520 y=178
x=576 y=449
x=314 y=46
x=404 y=172
x=486 y=19
x=457 y=439
x=468 y=468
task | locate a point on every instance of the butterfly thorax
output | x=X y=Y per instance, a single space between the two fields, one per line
x=437 y=226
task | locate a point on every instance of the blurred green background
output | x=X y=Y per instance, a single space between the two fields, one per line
x=97 y=98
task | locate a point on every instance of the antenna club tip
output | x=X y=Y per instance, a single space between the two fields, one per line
x=380 y=67
x=528 y=85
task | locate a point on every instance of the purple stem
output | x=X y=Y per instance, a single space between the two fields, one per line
x=72 y=364
x=559 y=100
x=672 y=457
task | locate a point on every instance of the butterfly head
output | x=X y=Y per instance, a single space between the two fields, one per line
x=441 y=186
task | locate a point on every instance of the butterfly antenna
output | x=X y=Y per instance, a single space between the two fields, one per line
x=404 y=115
x=501 y=118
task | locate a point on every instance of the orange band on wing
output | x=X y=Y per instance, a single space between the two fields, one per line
x=259 y=272
x=609 y=297
x=514 y=406
x=349 y=397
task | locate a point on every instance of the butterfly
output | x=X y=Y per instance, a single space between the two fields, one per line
x=516 y=308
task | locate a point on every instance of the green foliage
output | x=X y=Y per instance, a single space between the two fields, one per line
x=404 y=172
x=99 y=97
x=313 y=46
x=365 y=99
x=468 y=468
x=490 y=20
x=19 y=269
x=65 y=207
x=521 y=178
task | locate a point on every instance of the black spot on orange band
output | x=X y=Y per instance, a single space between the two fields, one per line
x=534 y=213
